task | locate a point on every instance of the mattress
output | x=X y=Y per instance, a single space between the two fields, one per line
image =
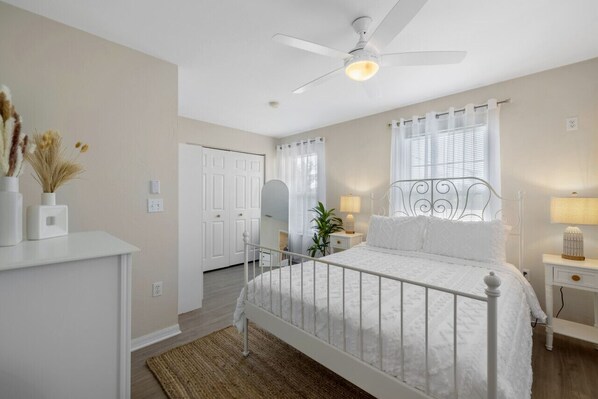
x=280 y=291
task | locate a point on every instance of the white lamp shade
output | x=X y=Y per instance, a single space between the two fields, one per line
x=350 y=204
x=574 y=210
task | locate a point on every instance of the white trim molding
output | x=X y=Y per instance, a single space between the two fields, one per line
x=154 y=337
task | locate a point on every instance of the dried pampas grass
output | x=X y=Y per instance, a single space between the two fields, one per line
x=51 y=165
x=14 y=145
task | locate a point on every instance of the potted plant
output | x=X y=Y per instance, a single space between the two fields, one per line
x=326 y=223
x=53 y=168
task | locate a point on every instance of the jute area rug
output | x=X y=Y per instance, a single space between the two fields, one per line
x=213 y=367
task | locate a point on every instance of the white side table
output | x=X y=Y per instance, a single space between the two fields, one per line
x=341 y=240
x=581 y=275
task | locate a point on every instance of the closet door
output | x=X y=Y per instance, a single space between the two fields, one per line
x=255 y=177
x=215 y=209
x=247 y=175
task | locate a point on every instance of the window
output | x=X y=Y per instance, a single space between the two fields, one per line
x=301 y=166
x=453 y=144
x=455 y=151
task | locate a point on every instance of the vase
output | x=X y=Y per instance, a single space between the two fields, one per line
x=11 y=212
x=47 y=220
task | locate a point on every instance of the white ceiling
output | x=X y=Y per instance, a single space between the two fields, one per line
x=229 y=69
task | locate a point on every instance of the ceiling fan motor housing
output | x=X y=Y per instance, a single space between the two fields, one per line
x=362 y=55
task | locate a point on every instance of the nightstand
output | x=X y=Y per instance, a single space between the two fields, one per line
x=581 y=275
x=341 y=240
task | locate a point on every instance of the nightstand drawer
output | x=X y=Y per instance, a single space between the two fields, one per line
x=570 y=277
x=340 y=242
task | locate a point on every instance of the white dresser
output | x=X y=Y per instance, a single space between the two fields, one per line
x=65 y=317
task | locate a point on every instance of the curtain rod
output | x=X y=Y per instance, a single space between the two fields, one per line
x=505 y=101
x=316 y=140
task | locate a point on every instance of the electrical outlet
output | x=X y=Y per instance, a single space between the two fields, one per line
x=157 y=288
x=571 y=124
x=155 y=205
x=527 y=275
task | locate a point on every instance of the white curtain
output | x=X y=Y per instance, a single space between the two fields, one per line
x=455 y=144
x=301 y=166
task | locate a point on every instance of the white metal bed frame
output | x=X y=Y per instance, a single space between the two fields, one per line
x=422 y=196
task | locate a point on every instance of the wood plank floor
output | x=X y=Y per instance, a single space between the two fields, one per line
x=569 y=371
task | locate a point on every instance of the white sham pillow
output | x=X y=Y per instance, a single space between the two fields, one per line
x=479 y=241
x=403 y=233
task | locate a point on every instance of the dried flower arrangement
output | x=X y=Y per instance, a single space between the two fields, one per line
x=51 y=165
x=14 y=145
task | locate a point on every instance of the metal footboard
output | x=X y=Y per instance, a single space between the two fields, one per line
x=298 y=261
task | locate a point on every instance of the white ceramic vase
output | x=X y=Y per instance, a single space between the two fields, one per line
x=11 y=212
x=48 y=219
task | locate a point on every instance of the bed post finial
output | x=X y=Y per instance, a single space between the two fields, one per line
x=492 y=283
x=245 y=237
x=492 y=292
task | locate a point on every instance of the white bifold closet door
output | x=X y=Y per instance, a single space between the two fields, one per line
x=232 y=184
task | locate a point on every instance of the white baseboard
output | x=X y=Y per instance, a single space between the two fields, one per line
x=156 y=336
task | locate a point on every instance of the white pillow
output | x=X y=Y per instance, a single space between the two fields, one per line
x=403 y=233
x=480 y=241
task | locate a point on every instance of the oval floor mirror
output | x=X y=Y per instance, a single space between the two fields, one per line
x=274 y=227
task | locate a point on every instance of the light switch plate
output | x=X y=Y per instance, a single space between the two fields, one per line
x=155 y=205
x=154 y=186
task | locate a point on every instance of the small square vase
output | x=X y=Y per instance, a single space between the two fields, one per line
x=47 y=220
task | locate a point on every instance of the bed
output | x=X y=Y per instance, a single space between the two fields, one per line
x=399 y=322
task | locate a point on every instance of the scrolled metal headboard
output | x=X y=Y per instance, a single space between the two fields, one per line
x=456 y=198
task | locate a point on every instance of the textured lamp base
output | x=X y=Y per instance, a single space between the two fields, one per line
x=350 y=225
x=573 y=244
x=572 y=257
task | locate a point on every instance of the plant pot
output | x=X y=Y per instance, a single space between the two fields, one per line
x=48 y=219
x=11 y=212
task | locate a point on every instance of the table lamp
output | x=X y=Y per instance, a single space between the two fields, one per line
x=350 y=204
x=573 y=211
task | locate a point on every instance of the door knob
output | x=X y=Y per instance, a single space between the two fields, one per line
x=217 y=216
x=240 y=214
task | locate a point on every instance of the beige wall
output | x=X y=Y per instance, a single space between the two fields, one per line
x=209 y=135
x=124 y=104
x=538 y=156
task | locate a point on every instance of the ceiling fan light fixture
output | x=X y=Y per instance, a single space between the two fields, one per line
x=362 y=66
x=361 y=70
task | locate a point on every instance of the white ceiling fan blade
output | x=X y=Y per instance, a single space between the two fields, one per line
x=423 y=58
x=318 y=81
x=394 y=22
x=309 y=46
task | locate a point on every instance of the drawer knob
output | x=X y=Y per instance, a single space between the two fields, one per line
x=575 y=277
x=338 y=241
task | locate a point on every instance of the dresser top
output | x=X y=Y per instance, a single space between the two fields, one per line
x=69 y=248
x=559 y=261
x=345 y=234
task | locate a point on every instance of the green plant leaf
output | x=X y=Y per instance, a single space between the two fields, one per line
x=326 y=223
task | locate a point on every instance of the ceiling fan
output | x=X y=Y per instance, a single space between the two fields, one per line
x=363 y=61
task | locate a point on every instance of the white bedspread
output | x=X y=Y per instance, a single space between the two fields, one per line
x=515 y=303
